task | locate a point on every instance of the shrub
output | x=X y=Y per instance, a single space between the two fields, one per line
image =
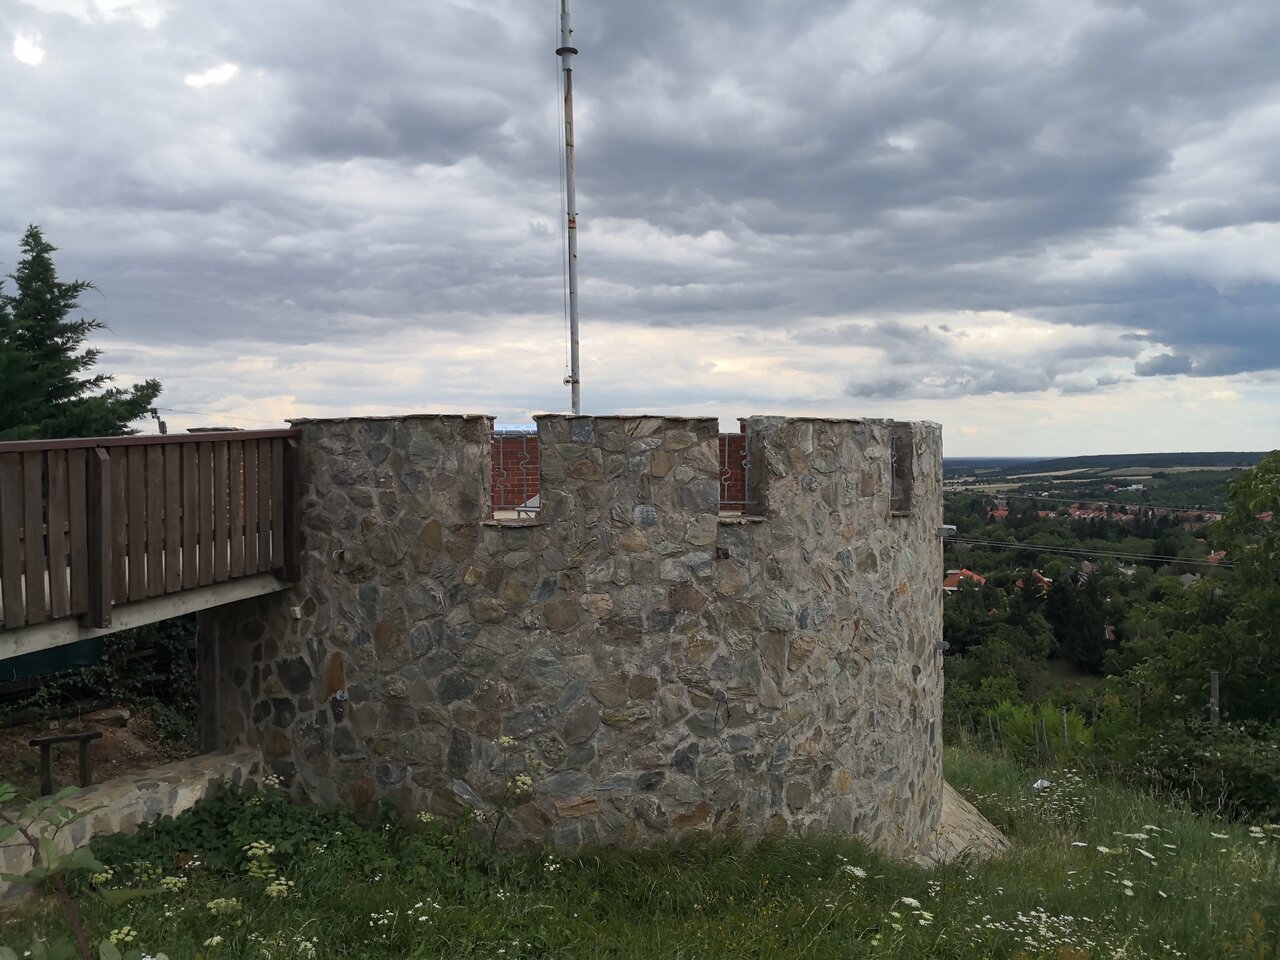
x=1232 y=771
x=1019 y=723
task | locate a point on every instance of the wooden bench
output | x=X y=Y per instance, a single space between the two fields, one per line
x=46 y=745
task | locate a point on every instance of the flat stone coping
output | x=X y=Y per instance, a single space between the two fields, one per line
x=392 y=418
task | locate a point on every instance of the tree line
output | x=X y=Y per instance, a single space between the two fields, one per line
x=47 y=387
x=1129 y=646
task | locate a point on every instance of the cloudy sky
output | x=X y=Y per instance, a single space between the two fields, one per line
x=1053 y=227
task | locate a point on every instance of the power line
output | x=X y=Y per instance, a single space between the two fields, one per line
x=1077 y=552
x=217 y=416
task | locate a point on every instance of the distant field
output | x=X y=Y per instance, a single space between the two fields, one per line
x=1150 y=462
x=1192 y=469
x=1048 y=473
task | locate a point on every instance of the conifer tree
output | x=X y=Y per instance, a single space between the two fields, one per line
x=46 y=391
x=18 y=395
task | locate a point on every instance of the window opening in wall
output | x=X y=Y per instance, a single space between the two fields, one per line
x=515 y=476
x=735 y=491
x=901 y=469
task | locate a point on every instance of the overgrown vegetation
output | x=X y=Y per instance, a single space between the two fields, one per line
x=149 y=669
x=1096 y=871
x=1124 y=644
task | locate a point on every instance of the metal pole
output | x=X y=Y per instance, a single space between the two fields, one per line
x=565 y=53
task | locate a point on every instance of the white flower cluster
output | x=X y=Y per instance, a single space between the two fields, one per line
x=258 y=849
x=123 y=935
x=224 y=906
x=521 y=784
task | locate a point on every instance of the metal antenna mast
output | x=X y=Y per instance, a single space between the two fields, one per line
x=566 y=52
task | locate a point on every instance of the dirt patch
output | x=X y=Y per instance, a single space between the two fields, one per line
x=129 y=744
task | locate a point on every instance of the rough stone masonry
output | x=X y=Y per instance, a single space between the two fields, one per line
x=664 y=667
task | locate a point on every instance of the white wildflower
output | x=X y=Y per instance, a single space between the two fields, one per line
x=223 y=906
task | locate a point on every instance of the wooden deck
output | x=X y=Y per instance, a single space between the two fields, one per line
x=92 y=527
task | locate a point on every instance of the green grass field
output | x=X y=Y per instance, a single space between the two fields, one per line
x=1096 y=871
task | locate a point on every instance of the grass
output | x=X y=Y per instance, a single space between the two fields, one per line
x=1096 y=871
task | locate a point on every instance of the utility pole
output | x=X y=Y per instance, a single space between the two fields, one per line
x=566 y=52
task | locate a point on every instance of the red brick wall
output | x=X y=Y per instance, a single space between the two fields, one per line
x=515 y=469
x=733 y=471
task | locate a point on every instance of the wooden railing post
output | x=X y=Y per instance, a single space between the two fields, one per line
x=101 y=563
x=292 y=510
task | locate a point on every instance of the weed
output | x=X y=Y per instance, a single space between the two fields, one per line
x=1097 y=870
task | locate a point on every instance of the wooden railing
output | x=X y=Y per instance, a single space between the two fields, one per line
x=89 y=524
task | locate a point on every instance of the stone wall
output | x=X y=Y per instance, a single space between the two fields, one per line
x=666 y=667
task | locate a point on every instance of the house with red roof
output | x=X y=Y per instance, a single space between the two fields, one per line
x=955 y=578
x=1040 y=584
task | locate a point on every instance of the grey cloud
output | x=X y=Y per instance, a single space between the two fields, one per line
x=863 y=163
x=967 y=381
x=1163 y=365
x=1112 y=379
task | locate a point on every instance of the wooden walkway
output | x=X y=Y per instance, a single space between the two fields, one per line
x=103 y=534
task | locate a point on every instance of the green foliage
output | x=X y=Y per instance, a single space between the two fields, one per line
x=1019 y=722
x=1233 y=771
x=1224 y=624
x=37 y=825
x=1157 y=638
x=221 y=830
x=1079 y=617
x=44 y=390
x=1200 y=890
x=217 y=830
x=148 y=668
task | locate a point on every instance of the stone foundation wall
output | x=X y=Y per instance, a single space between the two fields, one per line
x=666 y=667
x=125 y=803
